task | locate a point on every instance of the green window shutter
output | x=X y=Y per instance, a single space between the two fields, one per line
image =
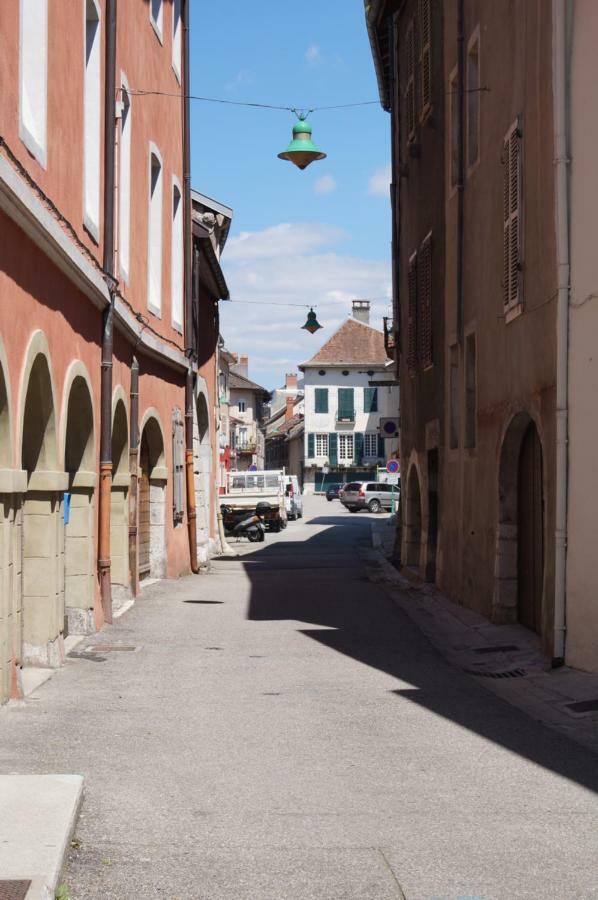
x=333 y=448
x=370 y=400
x=311 y=446
x=381 y=447
x=358 y=449
x=346 y=405
x=321 y=400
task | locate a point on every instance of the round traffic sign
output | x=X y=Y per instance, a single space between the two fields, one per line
x=392 y=466
x=252 y=468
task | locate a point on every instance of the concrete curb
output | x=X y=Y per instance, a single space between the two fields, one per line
x=39 y=814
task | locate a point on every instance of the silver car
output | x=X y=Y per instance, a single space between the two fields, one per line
x=371 y=495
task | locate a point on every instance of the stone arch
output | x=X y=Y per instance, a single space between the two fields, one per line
x=10 y=620
x=413 y=518
x=6 y=457
x=78 y=421
x=119 y=497
x=43 y=527
x=202 y=468
x=152 y=497
x=513 y=536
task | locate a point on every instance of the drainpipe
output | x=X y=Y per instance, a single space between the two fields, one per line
x=134 y=471
x=189 y=381
x=561 y=164
x=461 y=164
x=108 y=318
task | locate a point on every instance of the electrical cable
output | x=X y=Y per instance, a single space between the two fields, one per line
x=136 y=92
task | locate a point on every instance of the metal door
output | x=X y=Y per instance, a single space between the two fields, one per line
x=144 y=512
x=530 y=532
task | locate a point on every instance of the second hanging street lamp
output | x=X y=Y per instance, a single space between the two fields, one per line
x=302 y=151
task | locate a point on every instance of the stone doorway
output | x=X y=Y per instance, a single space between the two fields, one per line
x=413 y=523
x=119 y=501
x=202 y=467
x=152 y=502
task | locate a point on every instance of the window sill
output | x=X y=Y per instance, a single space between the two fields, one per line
x=92 y=229
x=513 y=313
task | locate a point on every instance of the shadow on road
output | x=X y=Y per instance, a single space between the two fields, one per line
x=327 y=587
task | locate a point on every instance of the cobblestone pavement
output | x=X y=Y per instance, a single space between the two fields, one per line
x=282 y=729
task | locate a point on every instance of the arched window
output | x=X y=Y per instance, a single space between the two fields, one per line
x=177 y=258
x=125 y=184
x=91 y=119
x=176 y=38
x=33 y=76
x=154 y=293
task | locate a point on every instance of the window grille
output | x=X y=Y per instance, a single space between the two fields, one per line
x=410 y=82
x=322 y=445
x=425 y=31
x=512 y=217
x=345 y=447
x=178 y=466
x=370 y=446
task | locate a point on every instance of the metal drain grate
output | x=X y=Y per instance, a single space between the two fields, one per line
x=510 y=673
x=14 y=890
x=110 y=648
x=583 y=706
x=496 y=648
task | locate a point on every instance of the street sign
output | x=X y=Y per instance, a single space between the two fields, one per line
x=389 y=427
x=252 y=468
x=392 y=466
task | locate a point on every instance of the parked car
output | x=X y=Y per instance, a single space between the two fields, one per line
x=293 y=498
x=371 y=495
x=334 y=491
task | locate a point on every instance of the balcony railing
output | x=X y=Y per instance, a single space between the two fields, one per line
x=345 y=415
x=245 y=447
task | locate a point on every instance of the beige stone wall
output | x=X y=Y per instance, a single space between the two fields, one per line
x=79 y=562
x=10 y=588
x=43 y=578
x=119 y=536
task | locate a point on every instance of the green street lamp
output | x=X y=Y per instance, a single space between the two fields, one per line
x=312 y=325
x=302 y=151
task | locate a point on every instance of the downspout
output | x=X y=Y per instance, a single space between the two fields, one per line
x=134 y=472
x=561 y=164
x=461 y=165
x=108 y=317
x=189 y=337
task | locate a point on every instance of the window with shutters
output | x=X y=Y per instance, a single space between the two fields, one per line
x=412 y=315
x=454 y=132
x=346 y=405
x=178 y=466
x=322 y=445
x=410 y=81
x=33 y=76
x=470 y=391
x=370 y=400
x=370 y=446
x=473 y=101
x=512 y=295
x=424 y=304
x=92 y=92
x=321 y=405
x=345 y=448
x=425 y=57
x=154 y=281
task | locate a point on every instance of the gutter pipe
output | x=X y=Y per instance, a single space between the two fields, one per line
x=189 y=348
x=108 y=317
x=561 y=166
x=134 y=471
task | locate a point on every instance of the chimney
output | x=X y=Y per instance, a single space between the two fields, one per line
x=290 y=409
x=361 y=311
x=290 y=381
x=242 y=367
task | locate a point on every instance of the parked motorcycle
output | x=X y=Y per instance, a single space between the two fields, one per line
x=250 y=526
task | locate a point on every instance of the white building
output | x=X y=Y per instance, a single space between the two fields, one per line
x=247 y=407
x=345 y=399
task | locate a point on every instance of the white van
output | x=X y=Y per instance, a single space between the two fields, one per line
x=293 y=498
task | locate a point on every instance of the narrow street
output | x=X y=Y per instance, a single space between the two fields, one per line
x=282 y=730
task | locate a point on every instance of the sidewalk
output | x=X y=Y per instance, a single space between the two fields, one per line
x=506 y=659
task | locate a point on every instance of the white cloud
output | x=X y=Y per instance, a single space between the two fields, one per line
x=379 y=182
x=313 y=55
x=325 y=185
x=243 y=78
x=293 y=264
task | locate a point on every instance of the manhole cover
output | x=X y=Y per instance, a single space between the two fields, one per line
x=496 y=648
x=14 y=890
x=110 y=648
x=582 y=706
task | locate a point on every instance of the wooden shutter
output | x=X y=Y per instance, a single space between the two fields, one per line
x=178 y=466
x=412 y=315
x=370 y=400
x=311 y=446
x=425 y=58
x=358 y=449
x=410 y=81
x=346 y=407
x=381 y=447
x=512 y=217
x=424 y=304
x=333 y=448
x=321 y=400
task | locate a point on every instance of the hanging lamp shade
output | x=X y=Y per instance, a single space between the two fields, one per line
x=302 y=151
x=312 y=325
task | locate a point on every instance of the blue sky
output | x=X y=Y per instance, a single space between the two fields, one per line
x=319 y=236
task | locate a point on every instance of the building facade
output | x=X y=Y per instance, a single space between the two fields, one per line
x=470 y=94
x=247 y=411
x=342 y=411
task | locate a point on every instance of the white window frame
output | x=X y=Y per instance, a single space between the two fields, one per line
x=370 y=445
x=346 y=441
x=92 y=123
x=321 y=446
x=157 y=21
x=124 y=189
x=154 y=231
x=176 y=258
x=33 y=64
x=242 y=406
x=177 y=39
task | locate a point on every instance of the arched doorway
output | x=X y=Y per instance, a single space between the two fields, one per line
x=10 y=620
x=79 y=463
x=519 y=585
x=43 y=527
x=413 y=523
x=152 y=500
x=119 y=500
x=202 y=467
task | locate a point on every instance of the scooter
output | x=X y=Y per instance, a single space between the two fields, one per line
x=251 y=526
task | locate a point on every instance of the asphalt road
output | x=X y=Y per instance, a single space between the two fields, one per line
x=282 y=730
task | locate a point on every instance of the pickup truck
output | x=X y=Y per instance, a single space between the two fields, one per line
x=244 y=490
